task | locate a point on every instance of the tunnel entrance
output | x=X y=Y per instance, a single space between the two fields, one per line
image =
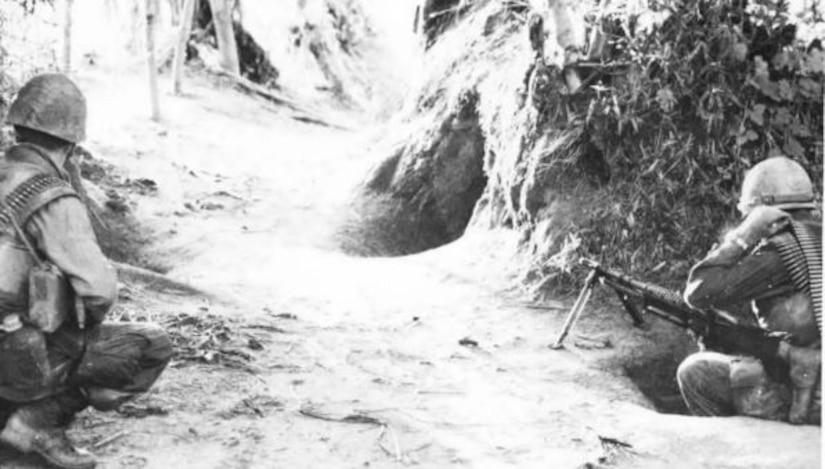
x=656 y=379
x=649 y=356
x=423 y=194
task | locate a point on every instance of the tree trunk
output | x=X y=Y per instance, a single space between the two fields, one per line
x=151 y=67
x=175 y=8
x=67 y=37
x=184 y=29
x=222 y=18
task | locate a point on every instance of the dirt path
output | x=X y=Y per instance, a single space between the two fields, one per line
x=425 y=360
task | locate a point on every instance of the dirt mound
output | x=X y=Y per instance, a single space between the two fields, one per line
x=556 y=169
x=584 y=152
x=328 y=48
x=639 y=162
x=482 y=55
x=422 y=194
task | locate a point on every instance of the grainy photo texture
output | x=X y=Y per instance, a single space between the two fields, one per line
x=411 y=233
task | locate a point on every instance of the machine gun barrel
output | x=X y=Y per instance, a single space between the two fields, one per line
x=657 y=300
x=725 y=332
x=649 y=290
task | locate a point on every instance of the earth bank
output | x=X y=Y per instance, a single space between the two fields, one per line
x=303 y=356
x=430 y=359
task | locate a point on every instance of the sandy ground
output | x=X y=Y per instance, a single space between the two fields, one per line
x=429 y=360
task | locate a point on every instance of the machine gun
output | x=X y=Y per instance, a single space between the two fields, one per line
x=720 y=330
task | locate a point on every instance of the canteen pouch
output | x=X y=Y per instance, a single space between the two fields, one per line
x=49 y=292
x=50 y=297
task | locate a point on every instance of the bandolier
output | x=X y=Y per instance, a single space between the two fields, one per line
x=34 y=193
x=32 y=374
x=24 y=190
x=802 y=256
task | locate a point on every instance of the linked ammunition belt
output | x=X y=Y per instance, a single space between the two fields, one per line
x=34 y=193
x=803 y=259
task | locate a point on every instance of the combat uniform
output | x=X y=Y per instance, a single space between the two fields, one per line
x=779 y=272
x=120 y=357
x=48 y=374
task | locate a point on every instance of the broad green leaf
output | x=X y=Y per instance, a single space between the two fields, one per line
x=760 y=67
x=740 y=51
x=665 y=99
x=782 y=117
x=814 y=62
x=767 y=87
x=809 y=88
x=780 y=61
x=793 y=148
x=757 y=114
x=801 y=130
x=786 y=91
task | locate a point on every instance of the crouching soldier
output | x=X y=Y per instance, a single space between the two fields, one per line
x=57 y=355
x=773 y=260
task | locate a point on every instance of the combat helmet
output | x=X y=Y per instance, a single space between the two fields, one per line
x=779 y=182
x=51 y=103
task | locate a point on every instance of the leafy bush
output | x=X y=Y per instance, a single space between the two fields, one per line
x=698 y=91
x=24 y=51
x=28 y=34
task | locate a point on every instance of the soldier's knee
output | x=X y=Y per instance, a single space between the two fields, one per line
x=703 y=369
x=160 y=347
x=689 y=370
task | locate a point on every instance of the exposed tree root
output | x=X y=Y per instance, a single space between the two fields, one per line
x=156 y=281
x=273 y=96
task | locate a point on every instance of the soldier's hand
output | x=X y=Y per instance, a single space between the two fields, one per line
x=761 y=222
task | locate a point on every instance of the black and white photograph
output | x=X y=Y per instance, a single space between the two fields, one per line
x=389 y=234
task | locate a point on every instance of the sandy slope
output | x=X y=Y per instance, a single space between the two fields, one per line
x=364 y=366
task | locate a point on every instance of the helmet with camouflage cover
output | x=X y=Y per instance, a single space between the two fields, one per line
x=779 y=182
x=52 y=104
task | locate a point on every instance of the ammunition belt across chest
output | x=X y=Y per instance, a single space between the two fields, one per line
x=802 y=256
x=32 y=194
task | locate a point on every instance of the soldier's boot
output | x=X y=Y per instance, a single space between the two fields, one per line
x=105 y=399
x=39 y=427
x=806 y=365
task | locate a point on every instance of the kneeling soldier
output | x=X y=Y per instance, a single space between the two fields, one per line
x=773 y=260
x=57 y=356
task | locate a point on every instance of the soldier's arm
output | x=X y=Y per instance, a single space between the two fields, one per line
x=63 y=233
x=745 y=267
x=730 y=276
